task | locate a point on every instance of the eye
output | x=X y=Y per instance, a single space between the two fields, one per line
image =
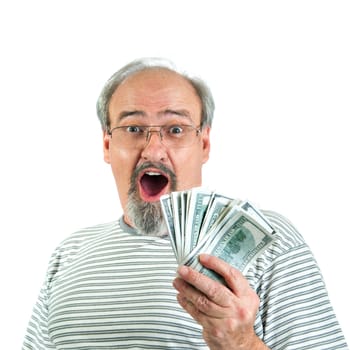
x=134 y=129
x=175 y=130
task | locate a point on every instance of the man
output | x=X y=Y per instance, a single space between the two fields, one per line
x=114 y=286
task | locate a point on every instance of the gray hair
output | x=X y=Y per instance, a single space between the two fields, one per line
x=142 y=64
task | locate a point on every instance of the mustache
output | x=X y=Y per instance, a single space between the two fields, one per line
x=159 y=166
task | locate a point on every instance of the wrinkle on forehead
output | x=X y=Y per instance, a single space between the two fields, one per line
x=183 y=113
x=156 y=94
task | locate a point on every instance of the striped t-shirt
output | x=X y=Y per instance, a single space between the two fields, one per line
x=108 y=287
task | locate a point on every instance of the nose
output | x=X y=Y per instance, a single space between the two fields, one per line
x=154 y=149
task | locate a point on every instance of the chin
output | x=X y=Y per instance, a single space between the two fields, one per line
x=146 y=216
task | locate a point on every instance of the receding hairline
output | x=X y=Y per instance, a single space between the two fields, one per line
x=146 y=70
x=156 y=69
x=196 y=84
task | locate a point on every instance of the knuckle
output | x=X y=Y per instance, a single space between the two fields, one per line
x=242 y=313
x=233 y=274
x=215 y=332
x=195 y=276
x=213 y=291
x=202 y=303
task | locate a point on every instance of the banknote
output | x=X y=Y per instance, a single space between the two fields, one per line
x=219 y=206
x=239 y=242
x=178 y=215
x=203 y=221
x=169 y=220
x=198 y=202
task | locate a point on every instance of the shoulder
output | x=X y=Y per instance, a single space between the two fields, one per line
x=286 y=234
x=78 y=242
x=292 y=293
x=86 y=234
x=288 y=254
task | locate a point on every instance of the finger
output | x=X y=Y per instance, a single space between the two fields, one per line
x=233 y=277
x=213 y=290
x=189 y=307
x=197 y=303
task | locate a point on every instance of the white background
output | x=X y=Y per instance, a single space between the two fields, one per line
x=279 y=72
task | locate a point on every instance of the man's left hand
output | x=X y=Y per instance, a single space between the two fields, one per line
x=226 y=313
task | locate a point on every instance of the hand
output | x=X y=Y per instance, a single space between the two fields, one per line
x=226 y=313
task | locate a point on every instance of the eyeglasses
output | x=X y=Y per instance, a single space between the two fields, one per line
x=137 y=136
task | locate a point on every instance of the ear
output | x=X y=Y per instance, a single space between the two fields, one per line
x=106 y=145
x=206 y=143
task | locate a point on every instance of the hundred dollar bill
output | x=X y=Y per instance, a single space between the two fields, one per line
x=202 y=221
x=185 y=197
x=214 y=213
x=199 y=201
x=257 y=215
x=178 y=215
x=240 y=241
x=165 y=202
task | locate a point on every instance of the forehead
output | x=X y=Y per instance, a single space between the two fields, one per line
x=153 y=91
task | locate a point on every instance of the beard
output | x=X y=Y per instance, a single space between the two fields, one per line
x=147 y=217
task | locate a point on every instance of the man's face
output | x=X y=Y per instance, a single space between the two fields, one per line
x=155 y=97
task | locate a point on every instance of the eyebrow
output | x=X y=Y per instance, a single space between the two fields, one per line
x=178 y=112
x=126 y=114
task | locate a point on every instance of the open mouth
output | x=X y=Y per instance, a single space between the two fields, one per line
x=153 y=184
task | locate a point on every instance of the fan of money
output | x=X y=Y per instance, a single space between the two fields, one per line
x=203 y=221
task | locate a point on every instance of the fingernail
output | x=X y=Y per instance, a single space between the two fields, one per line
x=204 y=257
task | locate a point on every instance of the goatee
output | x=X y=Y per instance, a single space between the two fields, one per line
x=147 y=217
